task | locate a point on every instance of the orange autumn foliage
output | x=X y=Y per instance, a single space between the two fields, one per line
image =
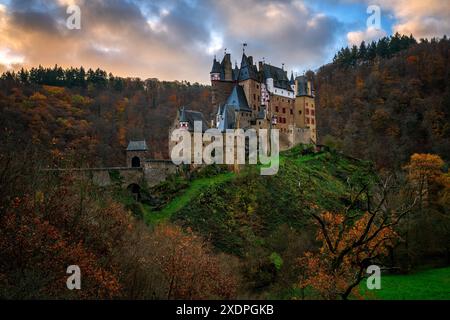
x=346 y=250
x=424 y=166
x=191 y=269
x=42 y=234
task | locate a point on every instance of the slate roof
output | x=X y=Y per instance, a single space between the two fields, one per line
x=238 y=100
x=227 y=118
x=262 y=113
x=235 y=72
x=137 y=146
x=248 y=69
x=302 y=86
x=226 y=62
x=216 y=66
x=190 y=117
x=279 y=76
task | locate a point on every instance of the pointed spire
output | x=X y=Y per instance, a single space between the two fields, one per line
x=216 y=66
x=182 y=114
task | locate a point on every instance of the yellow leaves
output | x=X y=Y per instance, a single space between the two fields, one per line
x=39 y=197
x=80 y=101
x=122 y=105
x=37 y=96
x=424 y=166
x=53 y=89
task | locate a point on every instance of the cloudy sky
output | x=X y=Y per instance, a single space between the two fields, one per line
x=177 y=39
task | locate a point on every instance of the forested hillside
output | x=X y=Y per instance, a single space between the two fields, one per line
x=87 y=118
x=310 y=231
x=387 y=100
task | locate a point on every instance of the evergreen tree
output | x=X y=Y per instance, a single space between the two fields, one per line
x=362 y=55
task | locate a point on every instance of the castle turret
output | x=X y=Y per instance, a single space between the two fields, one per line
x=305 y=105
x=227 y=68
x=292 y=81
x=183 y=121
x=215 y=71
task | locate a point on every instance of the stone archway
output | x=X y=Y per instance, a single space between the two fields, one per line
x=135 y=162
x=135 y=191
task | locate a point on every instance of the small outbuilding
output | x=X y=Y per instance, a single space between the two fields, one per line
x=137 y=153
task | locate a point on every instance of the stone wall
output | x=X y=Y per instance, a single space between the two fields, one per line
x=156 y=171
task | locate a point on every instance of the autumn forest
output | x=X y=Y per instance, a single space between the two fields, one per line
x=375 y=192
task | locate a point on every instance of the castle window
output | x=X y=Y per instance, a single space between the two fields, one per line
x=257 y=86
x=312 y=121
x=312 y=112
x=292 y=112
x=299 y=111
x=135 y=162
x=276 y=109
x=307 y=120
x=307 y=104
x=254 y=96
x=284 y=110
x=307 y=111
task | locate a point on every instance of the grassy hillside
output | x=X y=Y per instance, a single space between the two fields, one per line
x=236 y=210
x=244 y=211
x=263 y=220
x=431 y=284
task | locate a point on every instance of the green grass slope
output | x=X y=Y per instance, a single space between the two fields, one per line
x=431 y=284
x=240 y=210
x=179 y=202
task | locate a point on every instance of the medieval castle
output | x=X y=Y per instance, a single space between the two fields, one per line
x=249 y=96
x=258 y=97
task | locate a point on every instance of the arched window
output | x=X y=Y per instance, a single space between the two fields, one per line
x=135 y=162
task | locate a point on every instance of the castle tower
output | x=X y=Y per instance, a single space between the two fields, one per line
x=137 y=153
x=222 y=80
x=305 y=111
x=248 y=78
x=215 y=71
